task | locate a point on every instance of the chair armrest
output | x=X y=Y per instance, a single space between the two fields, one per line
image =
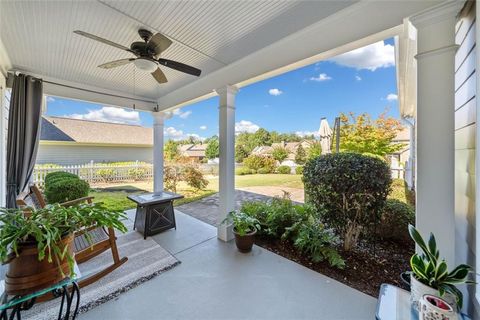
x=77 y=201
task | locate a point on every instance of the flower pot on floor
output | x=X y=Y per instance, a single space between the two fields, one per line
x=26 y=274
x=418 y=290
x=244 y=243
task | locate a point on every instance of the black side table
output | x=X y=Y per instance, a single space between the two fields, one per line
x=154 y=212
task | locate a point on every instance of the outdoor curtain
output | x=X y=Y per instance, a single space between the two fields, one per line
x=23 y=133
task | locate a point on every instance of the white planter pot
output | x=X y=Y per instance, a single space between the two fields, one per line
x=418 y=290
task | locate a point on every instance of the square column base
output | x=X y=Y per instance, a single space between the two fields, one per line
x=225 y=233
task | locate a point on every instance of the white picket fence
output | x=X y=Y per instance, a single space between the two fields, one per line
x=99 y=173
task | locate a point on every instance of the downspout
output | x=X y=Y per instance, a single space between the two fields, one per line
x=410 y=122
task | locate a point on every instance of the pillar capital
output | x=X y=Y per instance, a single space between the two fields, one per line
x=228 y=89
x=438 y=13
x=159 y=117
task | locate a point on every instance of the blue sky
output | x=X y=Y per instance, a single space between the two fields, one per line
x=360 y=81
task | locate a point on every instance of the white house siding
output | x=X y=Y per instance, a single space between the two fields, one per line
x=465 y=132
x=4 y=107
x=72 y=155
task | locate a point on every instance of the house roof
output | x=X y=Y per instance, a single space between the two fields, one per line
x=403 y=135
x=94 y=132
x=193 y=150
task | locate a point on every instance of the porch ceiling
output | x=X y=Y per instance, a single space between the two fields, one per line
x=233 y=42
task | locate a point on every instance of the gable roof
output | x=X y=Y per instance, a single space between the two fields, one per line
x=94 y=132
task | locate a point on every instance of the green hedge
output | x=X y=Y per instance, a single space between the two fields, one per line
x=64 y=186
x=299 y=170
x=244 y=171
x=396 y=216
x=284 y=170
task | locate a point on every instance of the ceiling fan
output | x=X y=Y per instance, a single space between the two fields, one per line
x=147 y=54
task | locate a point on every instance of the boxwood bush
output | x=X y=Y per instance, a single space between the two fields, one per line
x=58 y=175
x=284 y=170
x=394 y=221
x=352 y=188
x=66 y=187
x=244 y=171
x=299 y=170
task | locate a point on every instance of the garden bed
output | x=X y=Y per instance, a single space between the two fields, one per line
x=364 y=271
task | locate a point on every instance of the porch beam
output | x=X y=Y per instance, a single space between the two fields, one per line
x=227 y=159
x=435 y=125
x=158 y=142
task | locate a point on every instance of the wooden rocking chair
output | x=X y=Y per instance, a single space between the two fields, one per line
x=100 y=239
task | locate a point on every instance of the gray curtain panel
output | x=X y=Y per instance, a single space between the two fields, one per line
x=23 y=134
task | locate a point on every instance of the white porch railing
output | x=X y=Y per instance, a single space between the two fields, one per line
x=99 y=172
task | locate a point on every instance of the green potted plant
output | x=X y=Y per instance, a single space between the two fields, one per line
x=430 y=275
x=244 y=228
x=37 y=243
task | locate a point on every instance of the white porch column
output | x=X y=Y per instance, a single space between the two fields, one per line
x=435 y=125
x=158 y=138
x=227 y=158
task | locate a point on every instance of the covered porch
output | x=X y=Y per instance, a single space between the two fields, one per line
x=213 y=278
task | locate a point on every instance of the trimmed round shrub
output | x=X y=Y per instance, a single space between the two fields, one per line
x=263 y=171
x=284 y=170
x=394 y=221
x=244 y=171
x=352 y=188
x=256 y=162
x=59 y=175
x=66 y=189
x=299 y=170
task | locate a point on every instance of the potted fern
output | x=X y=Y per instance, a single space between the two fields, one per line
x=430 y=275
x=37 y=243
x=244 y=228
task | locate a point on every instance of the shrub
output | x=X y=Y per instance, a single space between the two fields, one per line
x=269 y=164
x=299 y=170
x=194 y=178
x=400 y=191
x=300 y=155
x=66 y=189
x=284 y=170
x=213 y=149
x=253 y=162
x=394 y=221
x=106 y=174
x=136 y=173
x=59 y=175
x=352 y=188
x=171 y=177
x=240 y=153
x=244 y=171
x=318 y=243
x=279 y=154
x=263 y=171
x=257 y=210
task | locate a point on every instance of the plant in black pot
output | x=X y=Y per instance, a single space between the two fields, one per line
x=37 y=243
x=244 y=228
x=430 y=275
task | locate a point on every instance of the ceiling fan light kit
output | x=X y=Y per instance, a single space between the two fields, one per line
x=147 y=55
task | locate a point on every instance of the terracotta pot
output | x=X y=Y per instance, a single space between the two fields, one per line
x=26 y=274
x=418 y=290
x=245 y=243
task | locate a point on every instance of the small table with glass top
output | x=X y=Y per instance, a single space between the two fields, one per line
x=12 y=307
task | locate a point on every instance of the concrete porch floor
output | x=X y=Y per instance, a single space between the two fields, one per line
x=215 y=281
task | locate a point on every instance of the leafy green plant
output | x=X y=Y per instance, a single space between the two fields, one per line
x=318 y=243
x=47 y=226
x=136 y=173
x=256 y=162
x=213 y=149
x=244 y=171
x=279 y=154
x=351 y=188
x=299 y=170
x=300 y=155
x=394 y=220
x=284 y=170
x=106 y=174
x=49 y=178
x=242 y=222
x=172 y=176
x=433 y=272
x=65 y=189
x=194 y=178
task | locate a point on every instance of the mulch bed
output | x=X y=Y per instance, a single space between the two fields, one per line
x=364 y=271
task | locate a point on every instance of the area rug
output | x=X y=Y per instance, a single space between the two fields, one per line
x=146 y=259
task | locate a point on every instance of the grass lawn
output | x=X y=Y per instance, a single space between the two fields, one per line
x=273 y=180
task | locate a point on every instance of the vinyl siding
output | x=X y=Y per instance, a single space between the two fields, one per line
x=465 y=140
x=4 y=107
x=71 y=155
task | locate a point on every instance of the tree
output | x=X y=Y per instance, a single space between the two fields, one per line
x=300 y=155
x=315 y=150
x=171 y=150
x=279 y=154
x=262 y=138
x=240 y=153
x=361 y=134
x=213 y=149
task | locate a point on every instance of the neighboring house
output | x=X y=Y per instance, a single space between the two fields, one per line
x=403 y=137
x=196 y=152
x=68 y=141
x=291 y=147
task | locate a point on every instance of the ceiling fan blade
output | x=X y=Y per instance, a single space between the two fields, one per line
x=180 y=67
x=159 y=43
x=159 y=76
x=94 y=37
x=116 y=63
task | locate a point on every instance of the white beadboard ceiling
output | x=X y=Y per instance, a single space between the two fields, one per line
x=38 y=36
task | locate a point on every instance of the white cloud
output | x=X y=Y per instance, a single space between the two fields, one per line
x=50 y=99
x=321 y=77
x=203 y=127
x=275 y=92
x=246 y=126
x=175 y=134
x=307 y=133
x=371 y=57
x=358 y=78
x=392 y=97
x=109 y=114
x=183 y=115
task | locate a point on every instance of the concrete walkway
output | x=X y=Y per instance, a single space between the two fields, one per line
x=297 y=195
x=215 y=281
